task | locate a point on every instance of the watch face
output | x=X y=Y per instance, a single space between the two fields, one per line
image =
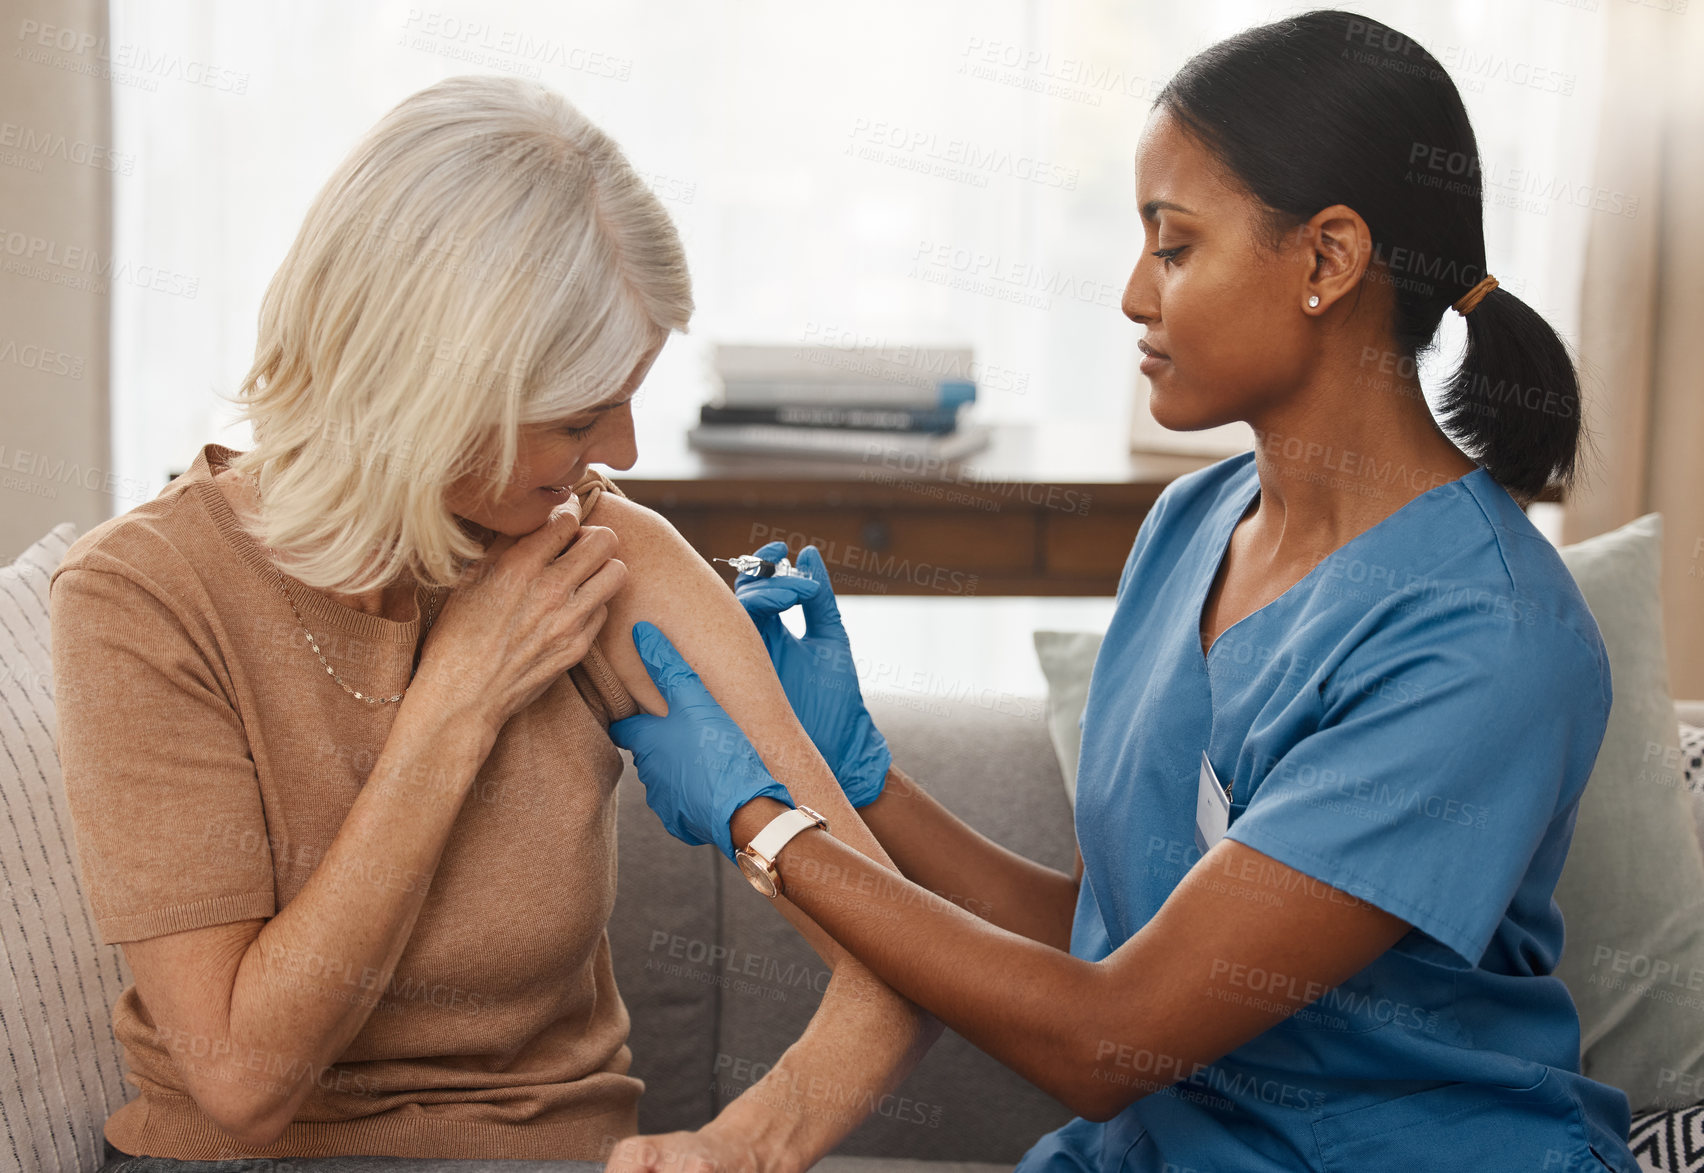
x=756 y=873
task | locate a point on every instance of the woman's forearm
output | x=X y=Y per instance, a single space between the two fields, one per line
x=313 y=976
x=937 y=850
x=864 y=1037
x=862 y=1042
x=853 y=1057
x=859 y=1046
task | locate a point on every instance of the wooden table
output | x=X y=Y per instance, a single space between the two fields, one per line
x=1049 y=510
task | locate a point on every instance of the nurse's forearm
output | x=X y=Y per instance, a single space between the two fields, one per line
x=1027 y=1004
x=1161 y=1007
x=936 y=849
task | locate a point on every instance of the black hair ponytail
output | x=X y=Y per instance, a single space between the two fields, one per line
x=1516 y=397
x=1330 y=108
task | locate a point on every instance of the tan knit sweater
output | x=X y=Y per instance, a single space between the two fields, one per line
x=210 y=761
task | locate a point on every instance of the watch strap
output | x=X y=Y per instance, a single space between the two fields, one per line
x=779 y=831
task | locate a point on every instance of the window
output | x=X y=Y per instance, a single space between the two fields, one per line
x=949 y=173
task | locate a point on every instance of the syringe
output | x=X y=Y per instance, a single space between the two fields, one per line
x=762 y=567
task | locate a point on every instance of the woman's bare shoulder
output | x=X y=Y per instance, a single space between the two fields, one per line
x=628 y=517
x=671 y=585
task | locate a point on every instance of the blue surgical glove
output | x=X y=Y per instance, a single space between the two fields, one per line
x=817 y=672
x=696 y=764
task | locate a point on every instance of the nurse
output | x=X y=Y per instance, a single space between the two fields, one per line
x=1337 y=733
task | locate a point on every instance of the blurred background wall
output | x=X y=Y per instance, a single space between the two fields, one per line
x=56 y=274
x=822 y=163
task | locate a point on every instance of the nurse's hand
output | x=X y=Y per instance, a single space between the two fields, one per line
x=817 y=672
x=696 y=764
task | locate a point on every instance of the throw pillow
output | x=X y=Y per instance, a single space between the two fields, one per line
x=1669 y=1141
x=64 y=1072
x=1692 y=768
x=1067 y=658
x=1632 y=890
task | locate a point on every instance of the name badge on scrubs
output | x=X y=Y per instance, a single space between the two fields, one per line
x=1212 y=808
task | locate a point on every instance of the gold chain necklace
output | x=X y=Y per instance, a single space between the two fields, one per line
x=431 y=614
x=358 y=695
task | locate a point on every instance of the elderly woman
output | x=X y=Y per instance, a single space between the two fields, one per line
x=334 y=710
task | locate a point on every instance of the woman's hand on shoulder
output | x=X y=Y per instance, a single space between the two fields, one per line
x=521 y=617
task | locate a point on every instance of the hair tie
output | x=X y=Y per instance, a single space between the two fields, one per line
x=1474 y=296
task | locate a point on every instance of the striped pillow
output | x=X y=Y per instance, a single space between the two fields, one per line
x=63 y=1074
x=1669 y=1141
x=1692 y=768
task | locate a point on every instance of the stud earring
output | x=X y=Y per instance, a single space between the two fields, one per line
x=1313 y=301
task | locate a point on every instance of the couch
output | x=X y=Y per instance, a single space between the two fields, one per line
x=717 y=983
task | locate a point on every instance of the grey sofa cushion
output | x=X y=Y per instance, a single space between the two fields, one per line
x=1632 y=889
x=998 y=772
x=660 y=937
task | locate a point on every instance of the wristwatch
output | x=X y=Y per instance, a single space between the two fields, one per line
x=757 y=858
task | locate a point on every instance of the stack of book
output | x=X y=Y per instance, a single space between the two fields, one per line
x=823 y=401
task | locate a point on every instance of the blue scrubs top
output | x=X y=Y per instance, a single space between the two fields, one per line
x=1411 y=723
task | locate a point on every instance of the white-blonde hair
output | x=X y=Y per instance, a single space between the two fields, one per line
x=484 y=258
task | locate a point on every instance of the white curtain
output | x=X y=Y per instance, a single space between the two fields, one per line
x=1641 y=348
x=956 y=172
